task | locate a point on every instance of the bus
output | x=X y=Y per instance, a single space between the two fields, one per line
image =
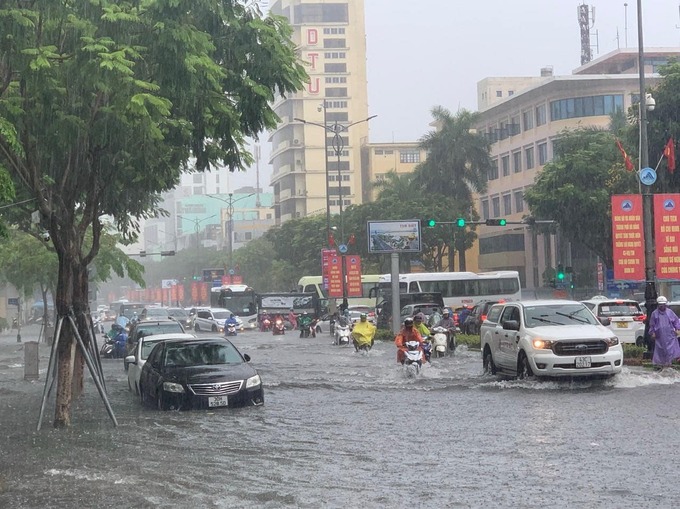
x=313 y=284
x=457 y=288
x=239 y=299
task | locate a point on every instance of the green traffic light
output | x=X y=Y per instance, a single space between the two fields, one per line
x=502 y=222
x=460 y=222
x=431 y=223
x=560 y=275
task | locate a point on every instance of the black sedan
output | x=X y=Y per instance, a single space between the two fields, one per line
x=199 y=373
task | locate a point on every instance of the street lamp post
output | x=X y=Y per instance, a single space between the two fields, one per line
x=338 y=145
x=230 y=221
x=647 y=198
x=196 y=222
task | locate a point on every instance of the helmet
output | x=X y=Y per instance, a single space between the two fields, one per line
x=420 y=317
x=363 y=316
x=445 y=312
x=408 y=322
x=661 y=300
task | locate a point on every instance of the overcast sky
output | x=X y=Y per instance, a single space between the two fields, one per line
x=433 y=52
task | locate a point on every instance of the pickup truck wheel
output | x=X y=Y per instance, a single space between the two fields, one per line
x=523 y=367
x=488 y=363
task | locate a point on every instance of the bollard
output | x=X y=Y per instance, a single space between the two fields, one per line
x=31 y=360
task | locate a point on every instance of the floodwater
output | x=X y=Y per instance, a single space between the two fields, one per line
x=345 y=430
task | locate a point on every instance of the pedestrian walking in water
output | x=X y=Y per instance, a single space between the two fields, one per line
x=663 y=325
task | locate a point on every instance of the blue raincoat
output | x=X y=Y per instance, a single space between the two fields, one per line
x=663 y=325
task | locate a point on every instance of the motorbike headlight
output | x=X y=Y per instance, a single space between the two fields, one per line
x=172 y=387
x=542 y=344
x=253 y=381
x=613 y=341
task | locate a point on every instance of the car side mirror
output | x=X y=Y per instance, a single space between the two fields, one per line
x=604 y=320
x=130 y=359
x=246 y=357
x=511 y=325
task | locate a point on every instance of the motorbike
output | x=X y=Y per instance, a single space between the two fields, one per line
x=413 y=358
x=440 y=341
x=342 y=333
x=362 y=342
x=266 y=325
x=279 y=328
x=305 y=330
x=114 y=348
x=427 y=347
x=230 y=329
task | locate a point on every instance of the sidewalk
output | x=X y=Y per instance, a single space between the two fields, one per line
x=12 y=356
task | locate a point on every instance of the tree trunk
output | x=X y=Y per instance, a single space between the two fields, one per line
x=462 y=265
x=452 y=257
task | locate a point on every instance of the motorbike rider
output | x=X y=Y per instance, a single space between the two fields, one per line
x=265 y=321
x=449 y=324
x=292 y=318
x=407 y=333
x=419 y=325
x=305 y=322
x=231 y=321
x=119 y=337
x=462 y=316
x=363 y=332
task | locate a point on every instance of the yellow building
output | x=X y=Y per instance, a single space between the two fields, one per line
x=522 y=117
x=379 y=159
x=331 y=39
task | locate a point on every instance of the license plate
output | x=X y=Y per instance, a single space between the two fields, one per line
x=214 y=401
x=583 y=362
x=622 y=325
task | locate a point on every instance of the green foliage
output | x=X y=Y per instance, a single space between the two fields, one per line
x=575 y=188
x=383 y=335
x=27 y=263
x=631 y=351
x=472 y=341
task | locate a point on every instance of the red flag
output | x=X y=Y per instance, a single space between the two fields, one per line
x=669 y=152
x=626 y=159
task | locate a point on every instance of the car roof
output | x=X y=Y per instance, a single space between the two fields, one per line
x=215 y=339
x=606 y=300
x=166 y=337
x=154 y=321
x=541 y=302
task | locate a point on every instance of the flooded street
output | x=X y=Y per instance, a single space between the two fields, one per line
x=340 y=429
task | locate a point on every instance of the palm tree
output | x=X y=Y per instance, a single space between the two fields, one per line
x=457 y=163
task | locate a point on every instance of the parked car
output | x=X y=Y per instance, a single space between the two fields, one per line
x=182 y=316
x=212 y=319
x=474 y=320
x=154 y=312
x=147 y=328
x=626 y=316
x=199 y=373
x=426 y=308
x=356 y=311
x=548 y=338
x=140 y=353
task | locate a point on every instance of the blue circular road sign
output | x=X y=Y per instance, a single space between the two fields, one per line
x=342 y=248
x=647 y=176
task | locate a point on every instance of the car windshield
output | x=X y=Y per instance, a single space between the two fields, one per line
x=620 y=309
x=221 y=315
x=202 y=354
x=147 y=346
x=177 y=313
x=156 y=312
x=558 y=314
x=158 y=328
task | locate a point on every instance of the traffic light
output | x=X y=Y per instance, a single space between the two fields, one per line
x=430 y=223
x=560 y=272
x=460 y=222
x=167 y=253
x=496 y=222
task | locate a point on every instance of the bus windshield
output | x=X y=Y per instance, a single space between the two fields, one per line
x=241 y=303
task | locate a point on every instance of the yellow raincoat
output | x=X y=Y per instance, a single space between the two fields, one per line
x=363 y=333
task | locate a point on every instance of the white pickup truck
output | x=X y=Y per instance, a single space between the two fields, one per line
x=548 y=338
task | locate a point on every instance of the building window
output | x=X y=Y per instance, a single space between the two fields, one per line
x=321 y=13
x=517 y=161
x=343 y=153
x=198 y=190
x=269 y=216
x=505 y=165
x=336 y=92
x=529 y=157
x=336 y=79
x=493 y=171
x=378 y=151
x=198 y=178
x=409 y=156
x=542 y=153
x=541 y=117
x=528 y=120
x=333 y=31
x=334 y=54
x=336 y=105
x=514 y=127
x=335 y=67
x=496 y=206
x=337 y=116
x=507 y=204
x=505 y=243
x=519 y=201
x=511 y=92
x=485 y=209
x=499 y=93
x=248 y=235
x=576 y=107
x=389 y=152
x=334 y=43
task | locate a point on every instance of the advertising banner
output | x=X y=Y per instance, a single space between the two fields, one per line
x=353 y=272
x=325 y=265
x=195 y=292
x=174 y=294
x=159 y=295
x=180 y=292
x=335 y=277
x=667 y=235
x=205 y=295
x=627 y=237
x=209 y=275
x=394 y=236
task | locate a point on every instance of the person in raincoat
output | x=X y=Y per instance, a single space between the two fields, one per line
x=407 y=333
x=663 y=325
x=363 y=333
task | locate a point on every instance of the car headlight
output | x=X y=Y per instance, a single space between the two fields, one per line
x=253 y=381
x=613 y=341
x=542 y=344
x=172 y=387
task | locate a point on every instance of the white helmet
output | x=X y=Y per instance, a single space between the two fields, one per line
x=661 y=300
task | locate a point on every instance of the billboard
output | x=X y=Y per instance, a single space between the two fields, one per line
x=283 y=302
x=335 y=277
x=628 y=238
x=394 y=236
x=667 y=235
x=353 y=272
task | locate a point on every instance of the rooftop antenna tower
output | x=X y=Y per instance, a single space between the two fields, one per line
x=625 y=20
x=586 y=15
x=257 y=174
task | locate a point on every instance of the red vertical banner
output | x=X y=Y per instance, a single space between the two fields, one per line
x=159 y=295
x=335 y=276
x=627 y=237
x=326 y=255
x=353 y=272
x=180 y=293
x=173 y=293
x=667 y=235
x=195 y=292
x=205 y=293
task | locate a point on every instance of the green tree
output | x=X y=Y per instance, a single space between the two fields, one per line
x=456 y=167
x=575 y=188
x=104 y=103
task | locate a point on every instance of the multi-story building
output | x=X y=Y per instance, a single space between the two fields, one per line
x=523 y=117
x=307 y=165
x=379 y=159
